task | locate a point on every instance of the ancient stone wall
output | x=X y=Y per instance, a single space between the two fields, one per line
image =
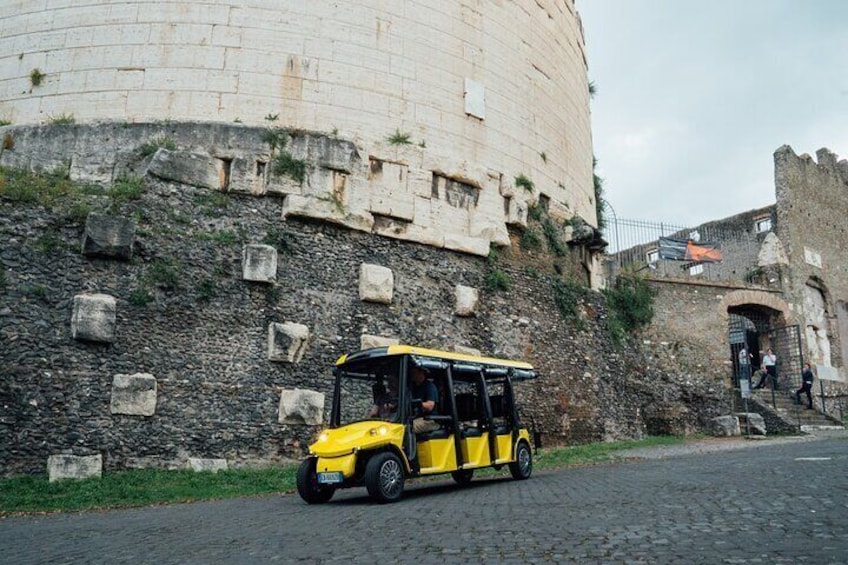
x=481 y=92
x=191 y=346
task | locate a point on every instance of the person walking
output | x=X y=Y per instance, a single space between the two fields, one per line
x=806 y=386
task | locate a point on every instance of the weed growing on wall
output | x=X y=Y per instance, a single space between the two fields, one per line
x=3 y=279
x=496 y=280
x=140 y=296
x=165 y=274
x=207 y=290
x=36 y=77
x=280 y=239
x=42 y=188
x=62 y=119
x=552 y=236
x=530 y=240
x=524 y=182
x=399 y=138
x=161 y=142
x=5 y=123
x=631 y=306
x=224 y=237
x=285 y=164
x=567 y=295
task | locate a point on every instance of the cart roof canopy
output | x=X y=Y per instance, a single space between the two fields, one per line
x=432 y=357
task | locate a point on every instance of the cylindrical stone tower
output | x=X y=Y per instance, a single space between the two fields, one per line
x=457 y=98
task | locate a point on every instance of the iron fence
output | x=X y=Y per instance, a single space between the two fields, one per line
x=634 y=247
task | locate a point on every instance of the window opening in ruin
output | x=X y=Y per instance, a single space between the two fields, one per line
x=762 y=225
x=261 y=166
x=224 y=167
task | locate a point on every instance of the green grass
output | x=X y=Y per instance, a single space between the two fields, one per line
x=399 y=138
x=139 y=488
x=44 y=188
x=145 y=487
x=161 y=142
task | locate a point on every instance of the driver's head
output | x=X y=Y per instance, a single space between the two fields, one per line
x=418 y=375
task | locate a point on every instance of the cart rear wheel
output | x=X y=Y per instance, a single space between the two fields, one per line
x=523 y=466
x=462 y=476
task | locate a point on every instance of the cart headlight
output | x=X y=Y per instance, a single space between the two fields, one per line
x=381 y=431
x=324 y=436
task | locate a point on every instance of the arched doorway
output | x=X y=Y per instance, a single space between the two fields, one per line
x=757 y=329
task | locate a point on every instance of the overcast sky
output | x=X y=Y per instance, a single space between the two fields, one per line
x=694 y=97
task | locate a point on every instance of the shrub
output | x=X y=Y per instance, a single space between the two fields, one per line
x=567 y=294
x=285 y=164
x=164 y=274
x=497 y=280
x=530 y=240
x=552 y=236
x=524 y=182
x=631 y=306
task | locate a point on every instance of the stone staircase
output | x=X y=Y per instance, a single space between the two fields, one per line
x=782 y=405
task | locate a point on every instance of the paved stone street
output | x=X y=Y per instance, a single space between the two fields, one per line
x=782 y=502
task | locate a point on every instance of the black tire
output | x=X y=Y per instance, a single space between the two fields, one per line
x=462 y=476
x=523 y=466
x=307 y=484
x=384 y=477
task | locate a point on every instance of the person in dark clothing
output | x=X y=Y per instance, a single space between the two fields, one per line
x=806 y=386
x=426 y=391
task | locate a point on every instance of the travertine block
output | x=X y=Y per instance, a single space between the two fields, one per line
x=301 y=407
x=199 y=465
x=287 y=342
x=376 y=283
x=467 y=299
x=259 y=263
x=108 y=236
x=62 y=466
x=93 y=318
x=134 y=395
x=367 y=341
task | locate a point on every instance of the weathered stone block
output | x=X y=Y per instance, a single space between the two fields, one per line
x=62 y=466
x=108 y=236
x=259 y=263
x=755 y=423
x=467 y=300
x=287 y=342
x=134 y=395
x=184 y=167
x=199 y=465
x=725 y=426
x=93 y=318
x=466 y=350
x=376 y=283
x=367 y=341
x=301 y=407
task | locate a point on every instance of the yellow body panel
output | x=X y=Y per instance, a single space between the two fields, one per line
x=437 y=456
x=504 y=448
x=475 y=451
x=452 y=355
x=346 y=464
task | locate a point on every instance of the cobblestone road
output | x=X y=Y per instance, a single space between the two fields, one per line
x=781 y=503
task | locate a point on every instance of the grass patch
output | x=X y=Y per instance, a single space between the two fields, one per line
x=36 y=77
x=145 y=487
x=285 y=164
x=161 y=142
x=207 y=290
x=224 y=237
x=42 y=188
x=126 y=189
x=214 y=203
x=62 y=120
x=140 y=297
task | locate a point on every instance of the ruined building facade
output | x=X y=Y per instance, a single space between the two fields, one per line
x=782 y=282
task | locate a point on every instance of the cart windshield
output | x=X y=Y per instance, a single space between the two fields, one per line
x=368 y=390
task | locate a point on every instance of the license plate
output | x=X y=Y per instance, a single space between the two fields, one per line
x=329 y=478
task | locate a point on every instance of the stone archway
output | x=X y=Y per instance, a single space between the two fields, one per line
x=750 y=316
